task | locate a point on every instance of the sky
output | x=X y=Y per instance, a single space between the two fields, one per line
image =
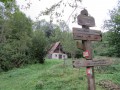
x=99 y=9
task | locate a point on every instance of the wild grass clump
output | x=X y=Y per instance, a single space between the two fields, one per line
x=39 y=85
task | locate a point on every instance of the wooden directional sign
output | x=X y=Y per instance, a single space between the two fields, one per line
x=86 y=34
x=85 y=63
x=86 y=20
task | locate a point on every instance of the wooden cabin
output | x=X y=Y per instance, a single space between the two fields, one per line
x=56 y=52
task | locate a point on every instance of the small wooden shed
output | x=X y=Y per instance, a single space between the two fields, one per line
x=56 y=52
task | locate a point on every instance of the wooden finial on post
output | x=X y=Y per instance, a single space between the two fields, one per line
x=85 y=20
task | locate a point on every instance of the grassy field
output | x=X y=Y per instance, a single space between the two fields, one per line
x=53 y=75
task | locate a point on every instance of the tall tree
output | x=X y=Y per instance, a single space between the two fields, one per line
x=113 y=25
x=15 y=47
x=69 y=45
x=44 y=26
x=39 y=43
x=64 y=26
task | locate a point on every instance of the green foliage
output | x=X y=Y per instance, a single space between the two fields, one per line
x=39 y=85
x=44 y=26
x=113 y=36
x=101 y=47
x=50 y=76
x=69 y=44
x=78 y=53
x=54 y=33
x=110 y=45
x=114 y=43
x=39 y=43
x=15 y=40
x=54 y=76
x=56 y=36
x=21 y=43
x=5 y=1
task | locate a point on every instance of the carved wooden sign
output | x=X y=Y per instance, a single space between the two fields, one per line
x=86 y=20
x=85 y=63
x=86 y=34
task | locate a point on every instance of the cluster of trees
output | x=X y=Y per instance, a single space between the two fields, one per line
x=111 y=39
x=54 y=33
x=23 y=41
x=15 y=37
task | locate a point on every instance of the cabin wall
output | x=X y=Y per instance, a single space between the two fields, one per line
x=57 y=56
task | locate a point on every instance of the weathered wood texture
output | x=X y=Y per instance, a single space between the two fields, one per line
x=85 y=63
x=86 y=20
x=91 y=78
x=86 y=34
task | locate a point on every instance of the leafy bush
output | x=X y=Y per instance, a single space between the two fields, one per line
x=39 y=42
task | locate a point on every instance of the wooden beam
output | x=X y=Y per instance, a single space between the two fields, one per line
x=86 y=63
x=86 y=34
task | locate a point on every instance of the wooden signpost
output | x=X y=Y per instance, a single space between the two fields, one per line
x=87 y=35
x=85 y=63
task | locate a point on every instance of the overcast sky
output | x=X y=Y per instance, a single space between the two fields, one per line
x=97 y=8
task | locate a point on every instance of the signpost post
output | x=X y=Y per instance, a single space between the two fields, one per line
x=87 y=35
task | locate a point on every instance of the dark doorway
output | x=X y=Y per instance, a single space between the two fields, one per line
x=60 y=56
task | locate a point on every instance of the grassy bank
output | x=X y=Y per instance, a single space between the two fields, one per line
x=53 y=75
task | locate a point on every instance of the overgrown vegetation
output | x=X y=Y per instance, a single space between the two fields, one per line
x=23 y=41
x=111 y=39
x=19 y=43
x=53 y=75
x=50 y=76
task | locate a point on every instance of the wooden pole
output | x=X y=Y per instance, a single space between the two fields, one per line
x=89 y=70
x=87 y=35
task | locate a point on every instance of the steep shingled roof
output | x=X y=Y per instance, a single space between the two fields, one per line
x=53 y=47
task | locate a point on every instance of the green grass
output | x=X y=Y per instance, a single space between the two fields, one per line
x=52 y=75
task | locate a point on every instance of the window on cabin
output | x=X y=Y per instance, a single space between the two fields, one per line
x=60 y=56
x=56 y=55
